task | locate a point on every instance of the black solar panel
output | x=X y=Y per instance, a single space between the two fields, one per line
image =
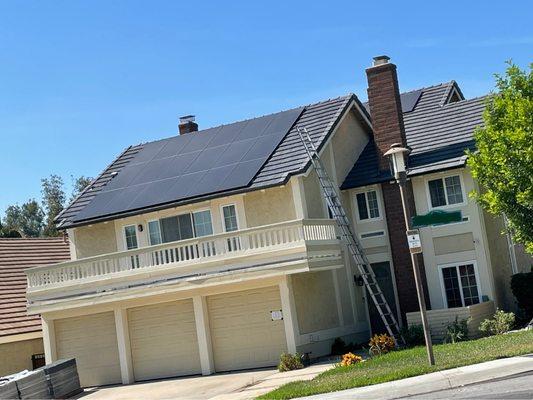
x=409 y=100
x=195 y=164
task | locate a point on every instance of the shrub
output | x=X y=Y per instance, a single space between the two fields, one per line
x=350 y=359
x=413 y=335
x=381 y=344
x=456 y=331
x=521 y=285
x=338 y=347
x=289 y=362
x=501 y=322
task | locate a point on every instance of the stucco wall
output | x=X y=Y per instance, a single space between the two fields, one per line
x=96 y=239
x=313 y=197
x=269 y=206
x=470 y=244
x=16 y=356
x=314 y=298
x=500 y=260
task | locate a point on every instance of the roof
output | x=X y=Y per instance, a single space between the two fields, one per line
x=15 y=256
x=286 y=159
x=438 y=133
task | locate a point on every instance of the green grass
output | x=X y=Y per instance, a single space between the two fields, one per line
x=407 y=363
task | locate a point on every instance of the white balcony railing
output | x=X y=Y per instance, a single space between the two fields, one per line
x=185 y=252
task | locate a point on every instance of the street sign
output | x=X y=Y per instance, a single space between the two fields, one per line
x=413 y=239
x=437 y=217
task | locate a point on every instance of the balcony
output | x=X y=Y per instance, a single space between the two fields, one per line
x=292 y=246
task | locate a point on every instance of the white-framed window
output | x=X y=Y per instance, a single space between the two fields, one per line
x=231 y=224
x=367 y=205
x=154 y=232
x=445 y=191
x=202 y=223
x=460 y=284
x=229 y=216
x=130 y=237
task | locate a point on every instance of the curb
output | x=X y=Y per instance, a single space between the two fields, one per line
x=436 y=381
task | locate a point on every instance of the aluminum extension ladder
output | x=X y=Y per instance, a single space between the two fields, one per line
x=354 y=246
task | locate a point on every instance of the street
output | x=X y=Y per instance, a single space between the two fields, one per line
x=518 y=386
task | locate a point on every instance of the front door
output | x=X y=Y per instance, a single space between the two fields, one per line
x=384 y=278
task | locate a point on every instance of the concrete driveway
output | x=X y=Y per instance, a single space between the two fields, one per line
x=226 y=386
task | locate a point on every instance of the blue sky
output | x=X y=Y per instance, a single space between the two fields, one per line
x=82 y=80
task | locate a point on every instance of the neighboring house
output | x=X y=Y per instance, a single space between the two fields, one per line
x=213 y=250
x=20 y=333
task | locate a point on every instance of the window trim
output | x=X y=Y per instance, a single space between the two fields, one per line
x=192 y=212
x=442 y=177
x=356 y=205
x=223 y=223
x=148 y=231
x=456 y=264
x=125 y=240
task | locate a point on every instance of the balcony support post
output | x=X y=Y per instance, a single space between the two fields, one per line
x=289 y=317
x=49 y=340
x=203 y=333
x=124 y=347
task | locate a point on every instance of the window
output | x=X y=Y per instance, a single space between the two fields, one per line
x=229 y=214
x=202 y=223
x=445 y=191
x=367 y=205
x=130 y=234
x=460 y=285
x=154 y=231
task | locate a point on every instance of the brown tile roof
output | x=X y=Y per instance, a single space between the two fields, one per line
x=15 y=256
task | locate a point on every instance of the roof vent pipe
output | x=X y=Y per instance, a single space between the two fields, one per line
x=187 y=124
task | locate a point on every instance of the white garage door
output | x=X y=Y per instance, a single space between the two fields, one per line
x=92 y=340
x=242 y=331
x=163 y=340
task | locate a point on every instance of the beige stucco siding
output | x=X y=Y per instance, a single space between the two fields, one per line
x=314 y=297
x=313 y=197
x=263 y=207
x=453 y=243
x=92 y=240
x=500 y=260
x=16 y=356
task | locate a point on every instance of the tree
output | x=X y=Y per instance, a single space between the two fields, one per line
x=78 y=184
x=27 y=219
x=6 y=232
x=503 y=162
x=53 y=202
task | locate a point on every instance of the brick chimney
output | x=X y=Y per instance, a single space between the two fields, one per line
x=187 y=124
x=388 y=128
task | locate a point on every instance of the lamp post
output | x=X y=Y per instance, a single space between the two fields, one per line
x=397 y=155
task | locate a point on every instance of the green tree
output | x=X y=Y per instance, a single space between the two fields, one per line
x=503 y=162
x=53 y=202
x=78 y=184
x=27 y=219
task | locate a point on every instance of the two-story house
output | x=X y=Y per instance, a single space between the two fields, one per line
x=213 y=250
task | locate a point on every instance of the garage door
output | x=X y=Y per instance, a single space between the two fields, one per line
x=92 y=340
x=242 y=331
x=163 y=340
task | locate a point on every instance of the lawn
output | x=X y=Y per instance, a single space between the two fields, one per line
x=407 y=363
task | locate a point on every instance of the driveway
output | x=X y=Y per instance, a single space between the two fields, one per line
x=225 y=386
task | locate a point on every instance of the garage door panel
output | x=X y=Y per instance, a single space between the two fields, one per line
x=92 y=340
x=163 y=340
x=242 y=332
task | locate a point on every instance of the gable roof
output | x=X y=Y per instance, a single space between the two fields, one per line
x=16 y=255
x=437 y=132
x=287 y=159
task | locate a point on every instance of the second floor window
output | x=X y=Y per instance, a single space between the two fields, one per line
x=367 y=205
x=130 y=235
x=230 y=218
x=180 y=227
x=445 y=191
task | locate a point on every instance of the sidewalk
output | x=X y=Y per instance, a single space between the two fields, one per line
x=436 y=381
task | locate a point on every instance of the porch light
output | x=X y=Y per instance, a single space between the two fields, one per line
x=396 y=155
x=359 y=281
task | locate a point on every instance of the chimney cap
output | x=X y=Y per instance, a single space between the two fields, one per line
x=187 y=118
x=380 y=60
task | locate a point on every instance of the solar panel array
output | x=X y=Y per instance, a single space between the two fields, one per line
x=191 y=165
